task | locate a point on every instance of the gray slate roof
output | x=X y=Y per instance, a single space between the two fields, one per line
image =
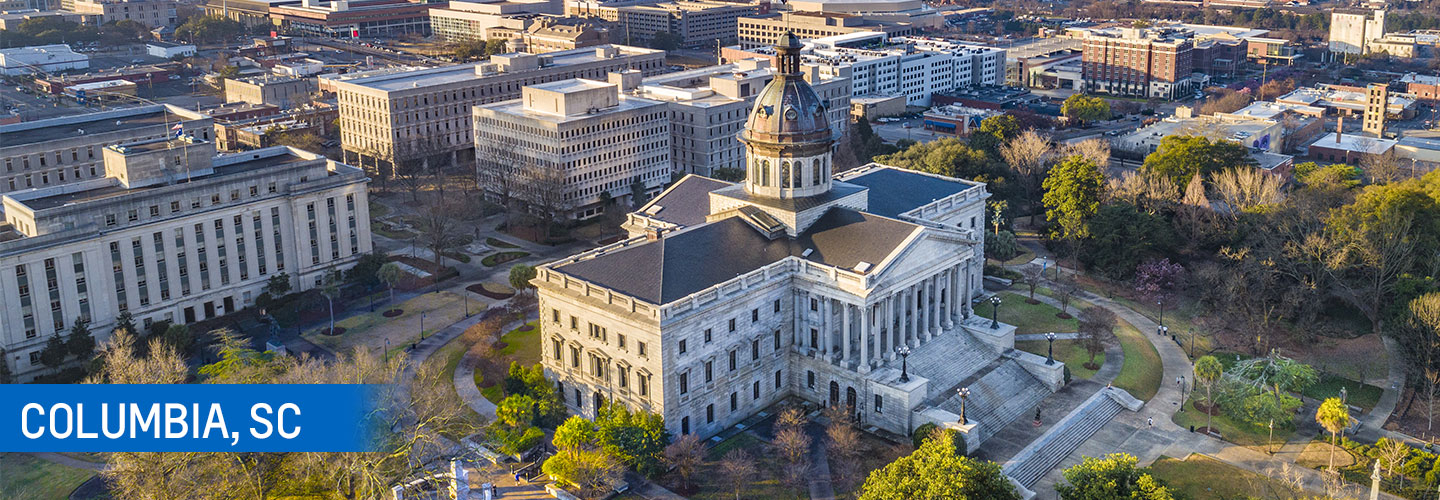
x=681 y=264
x=687 y=202
x=894 y=191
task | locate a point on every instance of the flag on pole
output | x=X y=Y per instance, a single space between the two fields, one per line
x=176 y=127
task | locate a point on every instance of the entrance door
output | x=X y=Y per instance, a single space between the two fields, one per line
x=834 y=393
x=209 y=310
x=850 y=399
x=229 y=305
x=599 y=402
x=189 y=315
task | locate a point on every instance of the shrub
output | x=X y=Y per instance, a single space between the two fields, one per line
x=921 y=434
x=1001 y=246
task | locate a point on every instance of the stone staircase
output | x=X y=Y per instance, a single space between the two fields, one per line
x=1000 y=393
x=1046 y=451
x=947 y=359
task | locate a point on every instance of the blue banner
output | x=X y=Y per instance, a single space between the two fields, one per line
x=195 y=418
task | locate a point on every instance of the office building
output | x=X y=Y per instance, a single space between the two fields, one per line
x=914 y=12
x=1138 y=62
x=797 y=282
x=708 y=107
x=421 y=113
x=1423 y=87
x=247 y=12
x=695 y=24
x=172 y=233
x=1346 y=100
x=461 y=21
x=347 y=19
x=151 y=13
x=279 y=90
x=1353 y=33
x=761 y=30
x=70 y=149
x=575 y=145
x=916 y=67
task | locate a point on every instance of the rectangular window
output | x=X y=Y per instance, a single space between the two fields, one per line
x=755 y=350
x=732 y=361
x=776 y=306
x=754 y=315
x=275 y=235
x=684 y=383
x=117 y=265
x=809 y=379
x=82 y=289
x=777 y=340
x=640 y=348
x=732 y=324
x=755 y=390
x=777 y=379
x=879 y=404
x=710 y=413
x=708 y=372
x=160 y=269
x=555 y=315
x=26 y=307
x=684 y=424
x=682 y=346
x=644 y=384
x=556 y=344
x=734 y=400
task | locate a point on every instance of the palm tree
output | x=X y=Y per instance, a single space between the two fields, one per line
x=1334 y=416
x=330 y=288
x=1207 y=373
x=390 y=274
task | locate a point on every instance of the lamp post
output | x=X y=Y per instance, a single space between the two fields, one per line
x=1269 y=445
x=1160 y=303
x=1050 y=357
x=422 y=325
x=387 y=350
x=964 y=393
x=904 y=352
x=995 y=312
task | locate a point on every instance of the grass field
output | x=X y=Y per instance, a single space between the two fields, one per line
x=1357 y=394
x=372 y=330
x=1029 y=318
x=1142 y=370
x=520 y=346
x=1233 y=430
x=1203 y=478
x=1070 y=352
x=496 y=259
x=451 y=355
x=24 y=476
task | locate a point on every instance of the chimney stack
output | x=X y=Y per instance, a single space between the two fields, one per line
x=1339 y=127
x=652 y=234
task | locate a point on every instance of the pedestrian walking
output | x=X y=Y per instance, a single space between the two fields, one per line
x=1150 y=421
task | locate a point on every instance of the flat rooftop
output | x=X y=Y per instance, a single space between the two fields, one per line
x=516 y=107
x=462 y=72
x=567 y=86
x=115 y=190
x=70 y=126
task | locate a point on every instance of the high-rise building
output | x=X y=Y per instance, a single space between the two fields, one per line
x=151 y=13
x=1138 y=62
x=916 y=67
x=400 y=116
x=708 y=107
x=573 y=147
x=171 y=233
x=760 y=31
x=852 y=291
x=694 y=24
x=1377 y=101
x=1353 y=33
x=459 y=21
x=344 y=18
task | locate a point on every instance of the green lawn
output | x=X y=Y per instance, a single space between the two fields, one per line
x=1357 y=394
x=520 y=346
x=379 y=228
x=1029 y=318
x=378 y=210
x=1234 y=430
x=496 y=259
x=1070 y=352
x=1203 y=478
x=24 y=476
x=451 y=354
x=373 y=329
x=1142 y=370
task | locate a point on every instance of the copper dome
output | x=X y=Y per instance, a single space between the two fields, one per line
x=788 y=111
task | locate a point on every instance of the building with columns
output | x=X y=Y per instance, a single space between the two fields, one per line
x=798 y=281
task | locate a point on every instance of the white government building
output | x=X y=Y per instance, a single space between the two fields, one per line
x=798 y=281
x=171 y=232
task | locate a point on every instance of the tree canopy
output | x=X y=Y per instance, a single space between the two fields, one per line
x=1111 y=478
x=1085 y=108
x=1072 y=196
x=1180 y=157
x=935 y=470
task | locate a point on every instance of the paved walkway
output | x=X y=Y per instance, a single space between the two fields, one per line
x=1041 y=336
x=68 y=462
x=465 y=380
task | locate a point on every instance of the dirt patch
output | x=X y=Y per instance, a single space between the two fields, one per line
x=1031 y=301
x=1091 y=366
x=482 y=289
x=333 y=332
x=390 y=313
x=1063 y=315
x=1205 y=408
x=526 y=327
x=1317 y=454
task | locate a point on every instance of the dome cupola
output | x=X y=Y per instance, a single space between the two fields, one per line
x=788 y=136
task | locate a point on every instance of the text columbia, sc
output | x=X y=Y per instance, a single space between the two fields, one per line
x=80 y=421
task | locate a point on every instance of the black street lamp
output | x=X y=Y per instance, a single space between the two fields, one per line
x=964 y=393
x=1160 y=303
x=1050 y=358
x=995 y=312
x=904 y=352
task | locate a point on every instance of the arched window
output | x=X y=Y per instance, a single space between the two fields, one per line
x=815 y=173
x=785 y=174
x=798 y=174
x=764 y=173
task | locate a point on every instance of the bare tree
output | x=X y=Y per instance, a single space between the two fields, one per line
x=1097 y=325
x=1027 y=154
x=739 y=469
x=792 y=444
x=843 y=449
x=1151 y=193
x=439 y=230
x=685 y=455
x=1032 y=276
x=549 y=196
x=1095 y=150
x=1391 y=455
x=1066 y=287
x=1419 y=340
x=1244 y=188
x=1381 y=167
x=1366 y=265
x=496 y=169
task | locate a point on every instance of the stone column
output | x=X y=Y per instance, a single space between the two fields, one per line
x=890 y=337
x=934 y=315
x=864 y=311
x=912 y=297
x=876 y=334
x=965 y=307
x=959 y=302
x=801 y=323
x=824 y=326
x=845 y=331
